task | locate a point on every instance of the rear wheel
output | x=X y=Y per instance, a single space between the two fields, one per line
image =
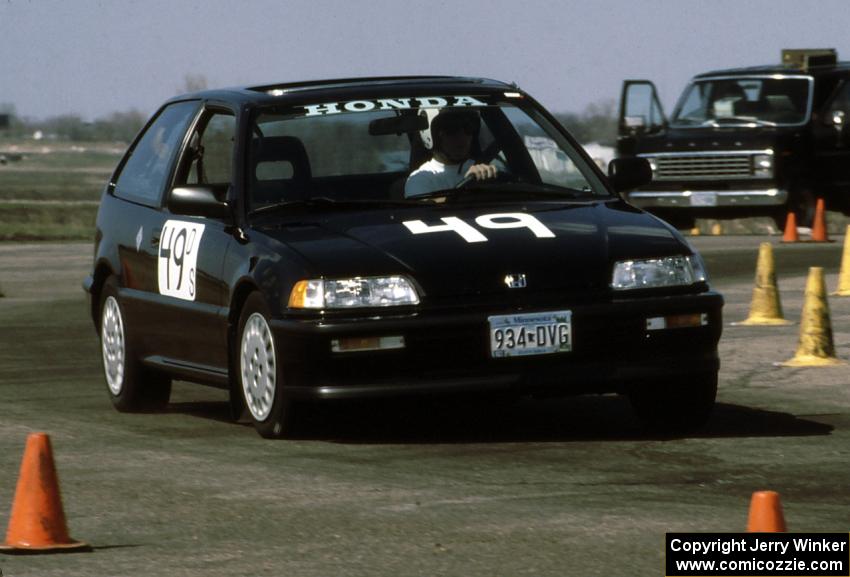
x=131 y=386
x=675 y=406
x=260 y=372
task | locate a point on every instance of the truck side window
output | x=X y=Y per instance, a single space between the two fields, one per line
x=143 y=177
x=841 y=102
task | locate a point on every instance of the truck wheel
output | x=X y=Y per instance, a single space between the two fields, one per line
x=260 y=372
x=131 y=386
x=676 y=406
x=803 y=201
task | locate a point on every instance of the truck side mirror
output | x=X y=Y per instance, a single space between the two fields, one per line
x=629 y=173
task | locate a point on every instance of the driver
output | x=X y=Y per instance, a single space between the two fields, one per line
x=454 y=131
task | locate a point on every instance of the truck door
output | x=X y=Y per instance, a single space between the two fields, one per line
x=640 y=113
x=832 y=146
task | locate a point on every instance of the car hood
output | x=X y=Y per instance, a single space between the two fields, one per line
x=586 y=240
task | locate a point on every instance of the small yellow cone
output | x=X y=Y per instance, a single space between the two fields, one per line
x=716 y=229
x=765 y=308
x=816 y=348
x=844 y=275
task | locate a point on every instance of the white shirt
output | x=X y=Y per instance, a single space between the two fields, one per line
x=434 y=175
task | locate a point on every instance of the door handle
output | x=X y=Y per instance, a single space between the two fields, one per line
x=155 y=234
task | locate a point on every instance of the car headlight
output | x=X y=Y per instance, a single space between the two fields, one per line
x=353 y=293
x=658 y=272
x=763 y=164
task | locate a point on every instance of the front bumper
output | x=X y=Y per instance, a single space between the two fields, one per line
x=449 y=351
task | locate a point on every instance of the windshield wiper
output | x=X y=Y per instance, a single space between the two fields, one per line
x=325 y=202
x=524 y=189
x=717 y=122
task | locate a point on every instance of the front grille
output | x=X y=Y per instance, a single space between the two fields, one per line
x=698 y=167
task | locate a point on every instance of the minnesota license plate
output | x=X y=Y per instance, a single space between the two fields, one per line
x=530 y=334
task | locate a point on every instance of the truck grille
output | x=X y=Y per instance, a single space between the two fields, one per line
x=697 y=167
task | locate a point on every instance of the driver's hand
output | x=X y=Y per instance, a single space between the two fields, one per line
x=482 y=171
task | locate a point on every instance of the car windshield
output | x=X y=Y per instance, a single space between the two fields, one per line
x=365 y=151
x=770 y=101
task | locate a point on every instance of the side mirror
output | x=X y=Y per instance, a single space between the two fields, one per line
x=629 y=173
x=200 y=201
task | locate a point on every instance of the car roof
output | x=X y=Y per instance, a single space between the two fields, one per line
x=841 y=67
x=347 y=88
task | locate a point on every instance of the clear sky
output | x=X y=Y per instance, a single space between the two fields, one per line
x=93 y=57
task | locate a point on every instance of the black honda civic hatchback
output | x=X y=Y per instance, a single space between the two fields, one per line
x=390 y=236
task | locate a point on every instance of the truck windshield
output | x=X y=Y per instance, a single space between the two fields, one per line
x=768 y=101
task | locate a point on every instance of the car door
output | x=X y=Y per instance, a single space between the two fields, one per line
x=131 y=217
x=191 y=250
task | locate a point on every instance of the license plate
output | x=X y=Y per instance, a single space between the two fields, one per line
x=703 y=198
x=530 y=334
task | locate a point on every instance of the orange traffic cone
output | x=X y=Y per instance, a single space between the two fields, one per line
x=37 y=523
x=766 y=513
x=790 y=234
x=819 y=225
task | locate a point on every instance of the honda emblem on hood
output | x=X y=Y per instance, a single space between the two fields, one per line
x=515 y=280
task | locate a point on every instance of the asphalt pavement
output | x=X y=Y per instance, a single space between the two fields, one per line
x=542 y=487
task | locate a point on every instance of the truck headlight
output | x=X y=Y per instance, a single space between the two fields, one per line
x=658 y=272
x=357 y=292
x=763 y=165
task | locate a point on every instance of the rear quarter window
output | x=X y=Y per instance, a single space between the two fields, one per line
x=145 y=172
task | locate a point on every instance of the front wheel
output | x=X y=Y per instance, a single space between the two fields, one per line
x=131 y=387
x=675 y=406
x=260 y=372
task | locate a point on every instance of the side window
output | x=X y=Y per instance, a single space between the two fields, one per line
x=209 y=158
x=144 y=174
x=841 y=102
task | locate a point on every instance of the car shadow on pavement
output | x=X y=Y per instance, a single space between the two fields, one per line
x=460 y=420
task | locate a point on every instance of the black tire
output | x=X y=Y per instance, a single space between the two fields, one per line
x=675 y=406
x=131 y=386
x=259 y=372
x=802 y=201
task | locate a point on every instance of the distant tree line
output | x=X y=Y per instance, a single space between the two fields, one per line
x=116 y=127
x=597 y=123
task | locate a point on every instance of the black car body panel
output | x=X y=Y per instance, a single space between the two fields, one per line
x=472 y=259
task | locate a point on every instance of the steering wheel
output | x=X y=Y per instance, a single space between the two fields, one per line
x=501 y=176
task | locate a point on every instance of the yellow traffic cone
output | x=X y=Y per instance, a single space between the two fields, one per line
x=844 y=275
x=765 y=308
x=816 y=348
